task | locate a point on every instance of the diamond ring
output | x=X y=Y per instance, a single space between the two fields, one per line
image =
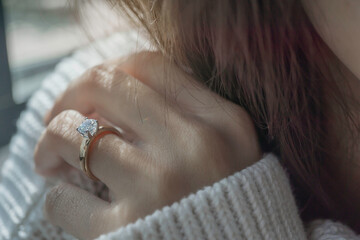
x=91 y=132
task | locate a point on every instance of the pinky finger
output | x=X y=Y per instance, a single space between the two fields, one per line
x=76 y=211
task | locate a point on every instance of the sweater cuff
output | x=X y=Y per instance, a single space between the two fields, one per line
x=255 y=203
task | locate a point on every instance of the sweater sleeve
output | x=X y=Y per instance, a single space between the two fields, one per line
x=255 y=203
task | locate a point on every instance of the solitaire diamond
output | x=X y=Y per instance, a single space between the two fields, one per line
x=88 y=128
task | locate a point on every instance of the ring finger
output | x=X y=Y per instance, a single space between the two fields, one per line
x=110 y=158
x=120 y=98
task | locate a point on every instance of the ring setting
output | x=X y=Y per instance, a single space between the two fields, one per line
x=90 y=130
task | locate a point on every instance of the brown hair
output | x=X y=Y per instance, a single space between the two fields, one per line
x=265 y=56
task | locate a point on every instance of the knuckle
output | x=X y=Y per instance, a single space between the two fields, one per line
x=53 y=200
x=106 y=77
x=92 y=75
x=95 y=77
x=62 y=124
x=121 y=79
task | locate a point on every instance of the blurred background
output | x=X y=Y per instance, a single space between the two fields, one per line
x=34 y=36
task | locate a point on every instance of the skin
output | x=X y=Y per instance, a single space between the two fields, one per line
x=170 y=148
x=337 y=22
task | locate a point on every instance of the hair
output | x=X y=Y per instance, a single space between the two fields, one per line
x=265 y=56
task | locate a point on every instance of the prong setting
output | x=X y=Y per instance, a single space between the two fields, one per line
x=88 y=128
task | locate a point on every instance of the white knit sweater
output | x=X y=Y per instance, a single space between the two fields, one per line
x=255 y=203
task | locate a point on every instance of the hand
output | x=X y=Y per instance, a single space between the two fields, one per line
x=179 y=137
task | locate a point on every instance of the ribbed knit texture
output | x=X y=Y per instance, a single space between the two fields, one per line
x=255 y=203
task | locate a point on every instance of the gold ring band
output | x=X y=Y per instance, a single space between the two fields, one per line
x=86 y=146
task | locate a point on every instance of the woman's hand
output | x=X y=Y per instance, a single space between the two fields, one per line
x=178 y=138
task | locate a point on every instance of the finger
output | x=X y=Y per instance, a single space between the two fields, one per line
x=181 y=89
x=169 y=80
x=155 y=71
x=122 y=99
x=76 y=211
x=61 y=142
